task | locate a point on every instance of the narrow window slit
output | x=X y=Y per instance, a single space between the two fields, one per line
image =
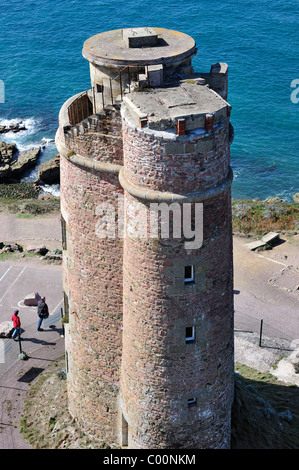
x=192 y=402
x=190 y=334
x=189 y=274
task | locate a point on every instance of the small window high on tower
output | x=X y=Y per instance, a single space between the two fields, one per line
x=189 y=274
x=190 y=334
x=192 y=402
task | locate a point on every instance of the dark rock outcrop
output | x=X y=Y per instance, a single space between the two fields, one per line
x=296 y=198
x=49 y=172
x=17 y=127
x=7 y=151
x=13 y=164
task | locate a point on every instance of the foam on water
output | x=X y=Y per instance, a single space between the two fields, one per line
x=24 y=139
x=52 y=189
x=41 y=65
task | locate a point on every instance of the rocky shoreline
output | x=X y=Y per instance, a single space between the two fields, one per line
x=14 y=163
x=16 y=127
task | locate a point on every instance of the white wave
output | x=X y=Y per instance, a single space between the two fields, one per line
x=24 y=147
x=32 y=175
x=29 y=138
x=51 y=188
x=31 y=125
x=24 y=139
x=47 y=141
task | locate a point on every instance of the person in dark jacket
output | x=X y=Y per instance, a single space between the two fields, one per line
x=17 y=325
x=42 y=312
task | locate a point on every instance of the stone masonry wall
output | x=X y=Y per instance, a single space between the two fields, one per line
x=147 y=371
x=93 y=284
x=160 y=372
x=103 y=141
x=180 y=166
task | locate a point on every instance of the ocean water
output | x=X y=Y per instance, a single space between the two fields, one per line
x=41 y=66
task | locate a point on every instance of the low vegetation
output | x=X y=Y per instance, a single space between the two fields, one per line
x=24 y=199
x=46 y=422
x=255 y=217
x=265 y=412
x=15 y=191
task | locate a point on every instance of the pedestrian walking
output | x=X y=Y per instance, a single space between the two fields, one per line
x=17 y=325
x=42 y=311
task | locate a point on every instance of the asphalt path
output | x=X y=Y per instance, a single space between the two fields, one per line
x=18 y=279
x=266 y=288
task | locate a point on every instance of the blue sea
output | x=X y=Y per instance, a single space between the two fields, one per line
x=41 y=66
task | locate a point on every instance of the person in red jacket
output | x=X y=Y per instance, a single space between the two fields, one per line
x=17 y=324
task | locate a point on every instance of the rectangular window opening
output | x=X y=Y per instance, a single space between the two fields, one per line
x=63 y=233
x=192 y=402
x=190 y=334
x=189 y=274
x=124 y=432
x=66 y=361
x=66 y=305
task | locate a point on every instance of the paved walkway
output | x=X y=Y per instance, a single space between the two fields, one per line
x=16 y=375
x=276 y=302
x=44 y=230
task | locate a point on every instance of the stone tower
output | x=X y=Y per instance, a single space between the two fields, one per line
x=146 y=220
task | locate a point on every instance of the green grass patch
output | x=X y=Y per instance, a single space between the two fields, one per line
x=265 y=414
x=260 y=217
x=15 y=191
x=22 y=199
x=29 y=208
x=25 y=216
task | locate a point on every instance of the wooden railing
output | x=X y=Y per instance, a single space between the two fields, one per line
x=80 y=109
x=84 y=106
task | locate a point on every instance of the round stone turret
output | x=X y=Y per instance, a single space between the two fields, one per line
x=177 y=360
x=135 y=57
x=147 y=244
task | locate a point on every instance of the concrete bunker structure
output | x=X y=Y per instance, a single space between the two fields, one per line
x=149 y=343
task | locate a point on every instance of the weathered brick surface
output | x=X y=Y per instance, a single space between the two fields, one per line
x=160 y=372
x=181 y=166
x=103 y=141
x=128 y=302
x=93 y=282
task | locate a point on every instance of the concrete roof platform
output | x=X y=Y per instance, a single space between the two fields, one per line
x=138 y=46
x=189 y=99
